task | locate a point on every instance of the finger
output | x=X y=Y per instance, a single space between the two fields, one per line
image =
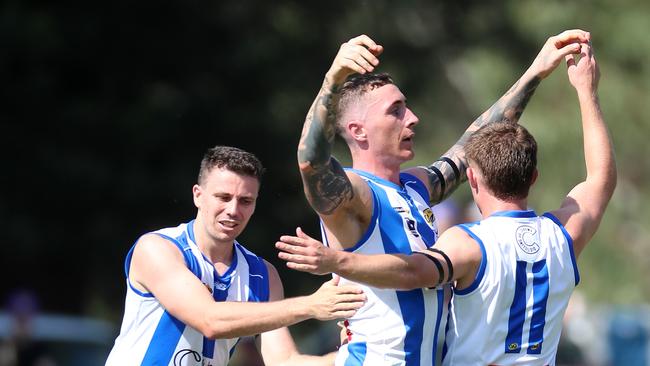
x=570 y=60
x=350 y=289
x=367 y=56
x=349 y=298
x=571 y=48
x=363 y=58
x=345 y=306
x=290 y=249
x=296 y=258
x=585 y=50
x=292 y=240
x=350 y=64
x=301 y=267
x=363 y=40
x=377 y=50
x=590 y=50
x=301 y=234
x=569 y=36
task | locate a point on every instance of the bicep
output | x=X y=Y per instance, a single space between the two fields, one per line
x=159 y=266
x=346 y=224
x=580 y=213
x=463 y=251
x=327 y=186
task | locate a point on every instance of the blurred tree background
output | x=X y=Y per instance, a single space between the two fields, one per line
x=109 y=106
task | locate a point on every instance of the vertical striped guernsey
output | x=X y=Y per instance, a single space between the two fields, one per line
x=512 y=312
x=395 y=327
x=152 y=336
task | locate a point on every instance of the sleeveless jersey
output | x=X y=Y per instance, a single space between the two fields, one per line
x=395 y=327
x=512 y=312
x=152 y=336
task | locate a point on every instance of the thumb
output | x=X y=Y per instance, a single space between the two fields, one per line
x=335 y=279
x=300 y=233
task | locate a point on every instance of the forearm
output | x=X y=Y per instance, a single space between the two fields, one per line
x=319 y=129
x=325 y=182
x=598 y=149
x=449 y=172
x=384 y=270
x=234 y=319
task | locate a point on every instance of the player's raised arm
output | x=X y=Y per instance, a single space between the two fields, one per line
x=584 y=206
x=326 y=185
x=444 y=175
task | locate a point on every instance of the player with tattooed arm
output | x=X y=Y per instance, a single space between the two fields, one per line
x=514 y=271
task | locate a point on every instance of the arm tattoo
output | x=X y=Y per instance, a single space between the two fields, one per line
x=508 y=108
x=327 y=188
x=325 y=182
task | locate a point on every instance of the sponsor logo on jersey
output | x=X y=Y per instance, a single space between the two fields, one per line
x=428 y=216
x=526 y=237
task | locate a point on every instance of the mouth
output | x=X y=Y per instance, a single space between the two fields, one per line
x=408 y=138
x=228 y=224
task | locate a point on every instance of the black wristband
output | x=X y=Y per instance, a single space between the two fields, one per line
x=443 y=184
x=454 y=167
x=450 y=275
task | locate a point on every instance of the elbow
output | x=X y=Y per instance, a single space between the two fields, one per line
x=217 y=330
x=212 y=333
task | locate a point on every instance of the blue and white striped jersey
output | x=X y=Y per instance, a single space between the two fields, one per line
x=512 y=312
x=395 y=327
x=152 y=336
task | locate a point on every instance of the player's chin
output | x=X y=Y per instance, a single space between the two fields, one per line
x=407 y=154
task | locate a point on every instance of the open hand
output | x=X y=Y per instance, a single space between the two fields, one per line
x=306 y=254
x=332 y=301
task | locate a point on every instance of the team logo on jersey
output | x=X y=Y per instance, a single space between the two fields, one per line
x=526 y=239
x=184 y=356
x=428 y=216
x=513 y=346
x=221 y=286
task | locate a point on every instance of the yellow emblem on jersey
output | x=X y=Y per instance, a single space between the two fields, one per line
x=428 y=215
x=513 y=346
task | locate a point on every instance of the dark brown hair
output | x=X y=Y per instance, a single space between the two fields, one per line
x=506 y=155
x=231 y=158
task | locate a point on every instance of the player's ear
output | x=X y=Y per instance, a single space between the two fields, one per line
x=196 y=195
x=357 y=130
x=534 y=178
x=471 y=179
